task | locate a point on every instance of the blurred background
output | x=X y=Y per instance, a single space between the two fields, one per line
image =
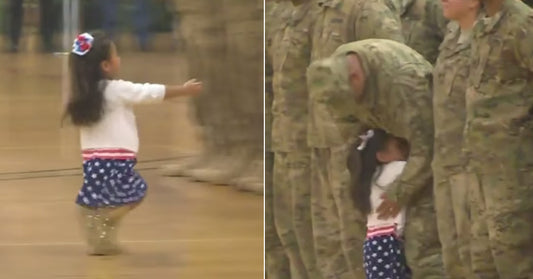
x=188 y=147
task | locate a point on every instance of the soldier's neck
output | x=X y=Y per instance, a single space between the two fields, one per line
x=467 y=21
x=493 y=6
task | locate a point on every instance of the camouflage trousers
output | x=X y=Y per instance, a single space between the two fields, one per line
x=422 y=246
x=452 y=206
x=502 y=222
x=339 y=229
x=292 y=212
x=276 y=261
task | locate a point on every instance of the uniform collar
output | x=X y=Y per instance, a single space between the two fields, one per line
x=485 y=25
x=450 y=45
x=299 y=12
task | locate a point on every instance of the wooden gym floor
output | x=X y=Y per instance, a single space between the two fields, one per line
x=182 y=230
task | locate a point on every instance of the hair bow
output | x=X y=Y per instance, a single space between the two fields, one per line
x=365 y=138
x=82 y=44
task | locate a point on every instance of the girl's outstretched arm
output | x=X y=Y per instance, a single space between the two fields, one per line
x=189 y=88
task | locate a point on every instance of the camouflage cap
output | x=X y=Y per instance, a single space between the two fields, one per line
x=331 y=94
x=329 y=79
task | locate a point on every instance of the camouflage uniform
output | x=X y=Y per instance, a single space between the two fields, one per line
x=451 y=191
x=276 y=261
x=338 y=228
x=423 y=26
x=499 y=142
x=291 y=54
x=201 y=29
x=397 y=99
x=223 y=50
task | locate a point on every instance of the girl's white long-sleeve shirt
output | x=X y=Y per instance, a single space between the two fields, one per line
x=388 y=173
x=117 y=129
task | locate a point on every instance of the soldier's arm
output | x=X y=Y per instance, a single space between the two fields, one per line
x=376 y=21
x=417 y=122
x=523 y=42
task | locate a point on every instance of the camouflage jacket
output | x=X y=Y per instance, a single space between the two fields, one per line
x=397 y=98
x=450 y=77
x=423 y=26
x=499 y=95
x=343 y=21
x=291 y=55
x=275 y=13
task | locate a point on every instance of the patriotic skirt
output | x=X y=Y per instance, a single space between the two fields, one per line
x=109 y=178
x=384 y=256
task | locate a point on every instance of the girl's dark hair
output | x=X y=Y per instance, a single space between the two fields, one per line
x=362 y=165
x=86 y=102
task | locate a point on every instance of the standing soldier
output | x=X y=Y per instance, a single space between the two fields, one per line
x=276 y=260
x=387 y=85
x=338 y=228
x=243 y=74
x=450 y=179
x=499 y=140
x=202 y=30
x=224 y=40
x=291 y=55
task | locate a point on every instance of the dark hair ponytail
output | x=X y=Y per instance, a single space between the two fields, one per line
x=362 y=165
x=86 y=102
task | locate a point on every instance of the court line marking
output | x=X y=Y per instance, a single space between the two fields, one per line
x=53 y=173
x=78 y=168
x=184 y=240
x=62 y=175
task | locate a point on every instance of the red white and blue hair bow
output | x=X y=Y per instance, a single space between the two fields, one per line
x=82 y=44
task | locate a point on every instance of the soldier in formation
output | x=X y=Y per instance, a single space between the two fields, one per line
x=224 y=47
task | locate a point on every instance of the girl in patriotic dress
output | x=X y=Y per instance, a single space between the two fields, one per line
x=102 y=107
x=374 y=165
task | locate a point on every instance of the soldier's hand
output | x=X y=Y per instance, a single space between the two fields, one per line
x=387 y=209
x=193 y=86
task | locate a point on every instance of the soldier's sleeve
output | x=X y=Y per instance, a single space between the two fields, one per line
x=376 y=21
x=417 y=127
x=524 y=44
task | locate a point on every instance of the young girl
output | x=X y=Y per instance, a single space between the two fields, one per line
x=101 y=105
x=374 y=165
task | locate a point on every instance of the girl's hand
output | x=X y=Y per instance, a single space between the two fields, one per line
x=193 y=87
x=387 y=209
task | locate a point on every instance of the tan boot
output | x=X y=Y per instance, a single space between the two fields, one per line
x=252 y=178
x=212 y=168
x=227 y=168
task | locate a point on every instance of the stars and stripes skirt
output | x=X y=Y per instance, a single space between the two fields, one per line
x=109 y=179
x=384 y=256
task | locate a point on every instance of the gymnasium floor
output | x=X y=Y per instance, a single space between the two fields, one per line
x=183 y=229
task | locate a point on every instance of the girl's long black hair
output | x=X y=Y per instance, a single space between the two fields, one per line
x=362 y=165
x=86 y=102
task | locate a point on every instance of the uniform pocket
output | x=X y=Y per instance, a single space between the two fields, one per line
x=485 y=56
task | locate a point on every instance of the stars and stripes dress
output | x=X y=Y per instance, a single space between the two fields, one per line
x=109 y=178
x=109 y=147
x=383 y=248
